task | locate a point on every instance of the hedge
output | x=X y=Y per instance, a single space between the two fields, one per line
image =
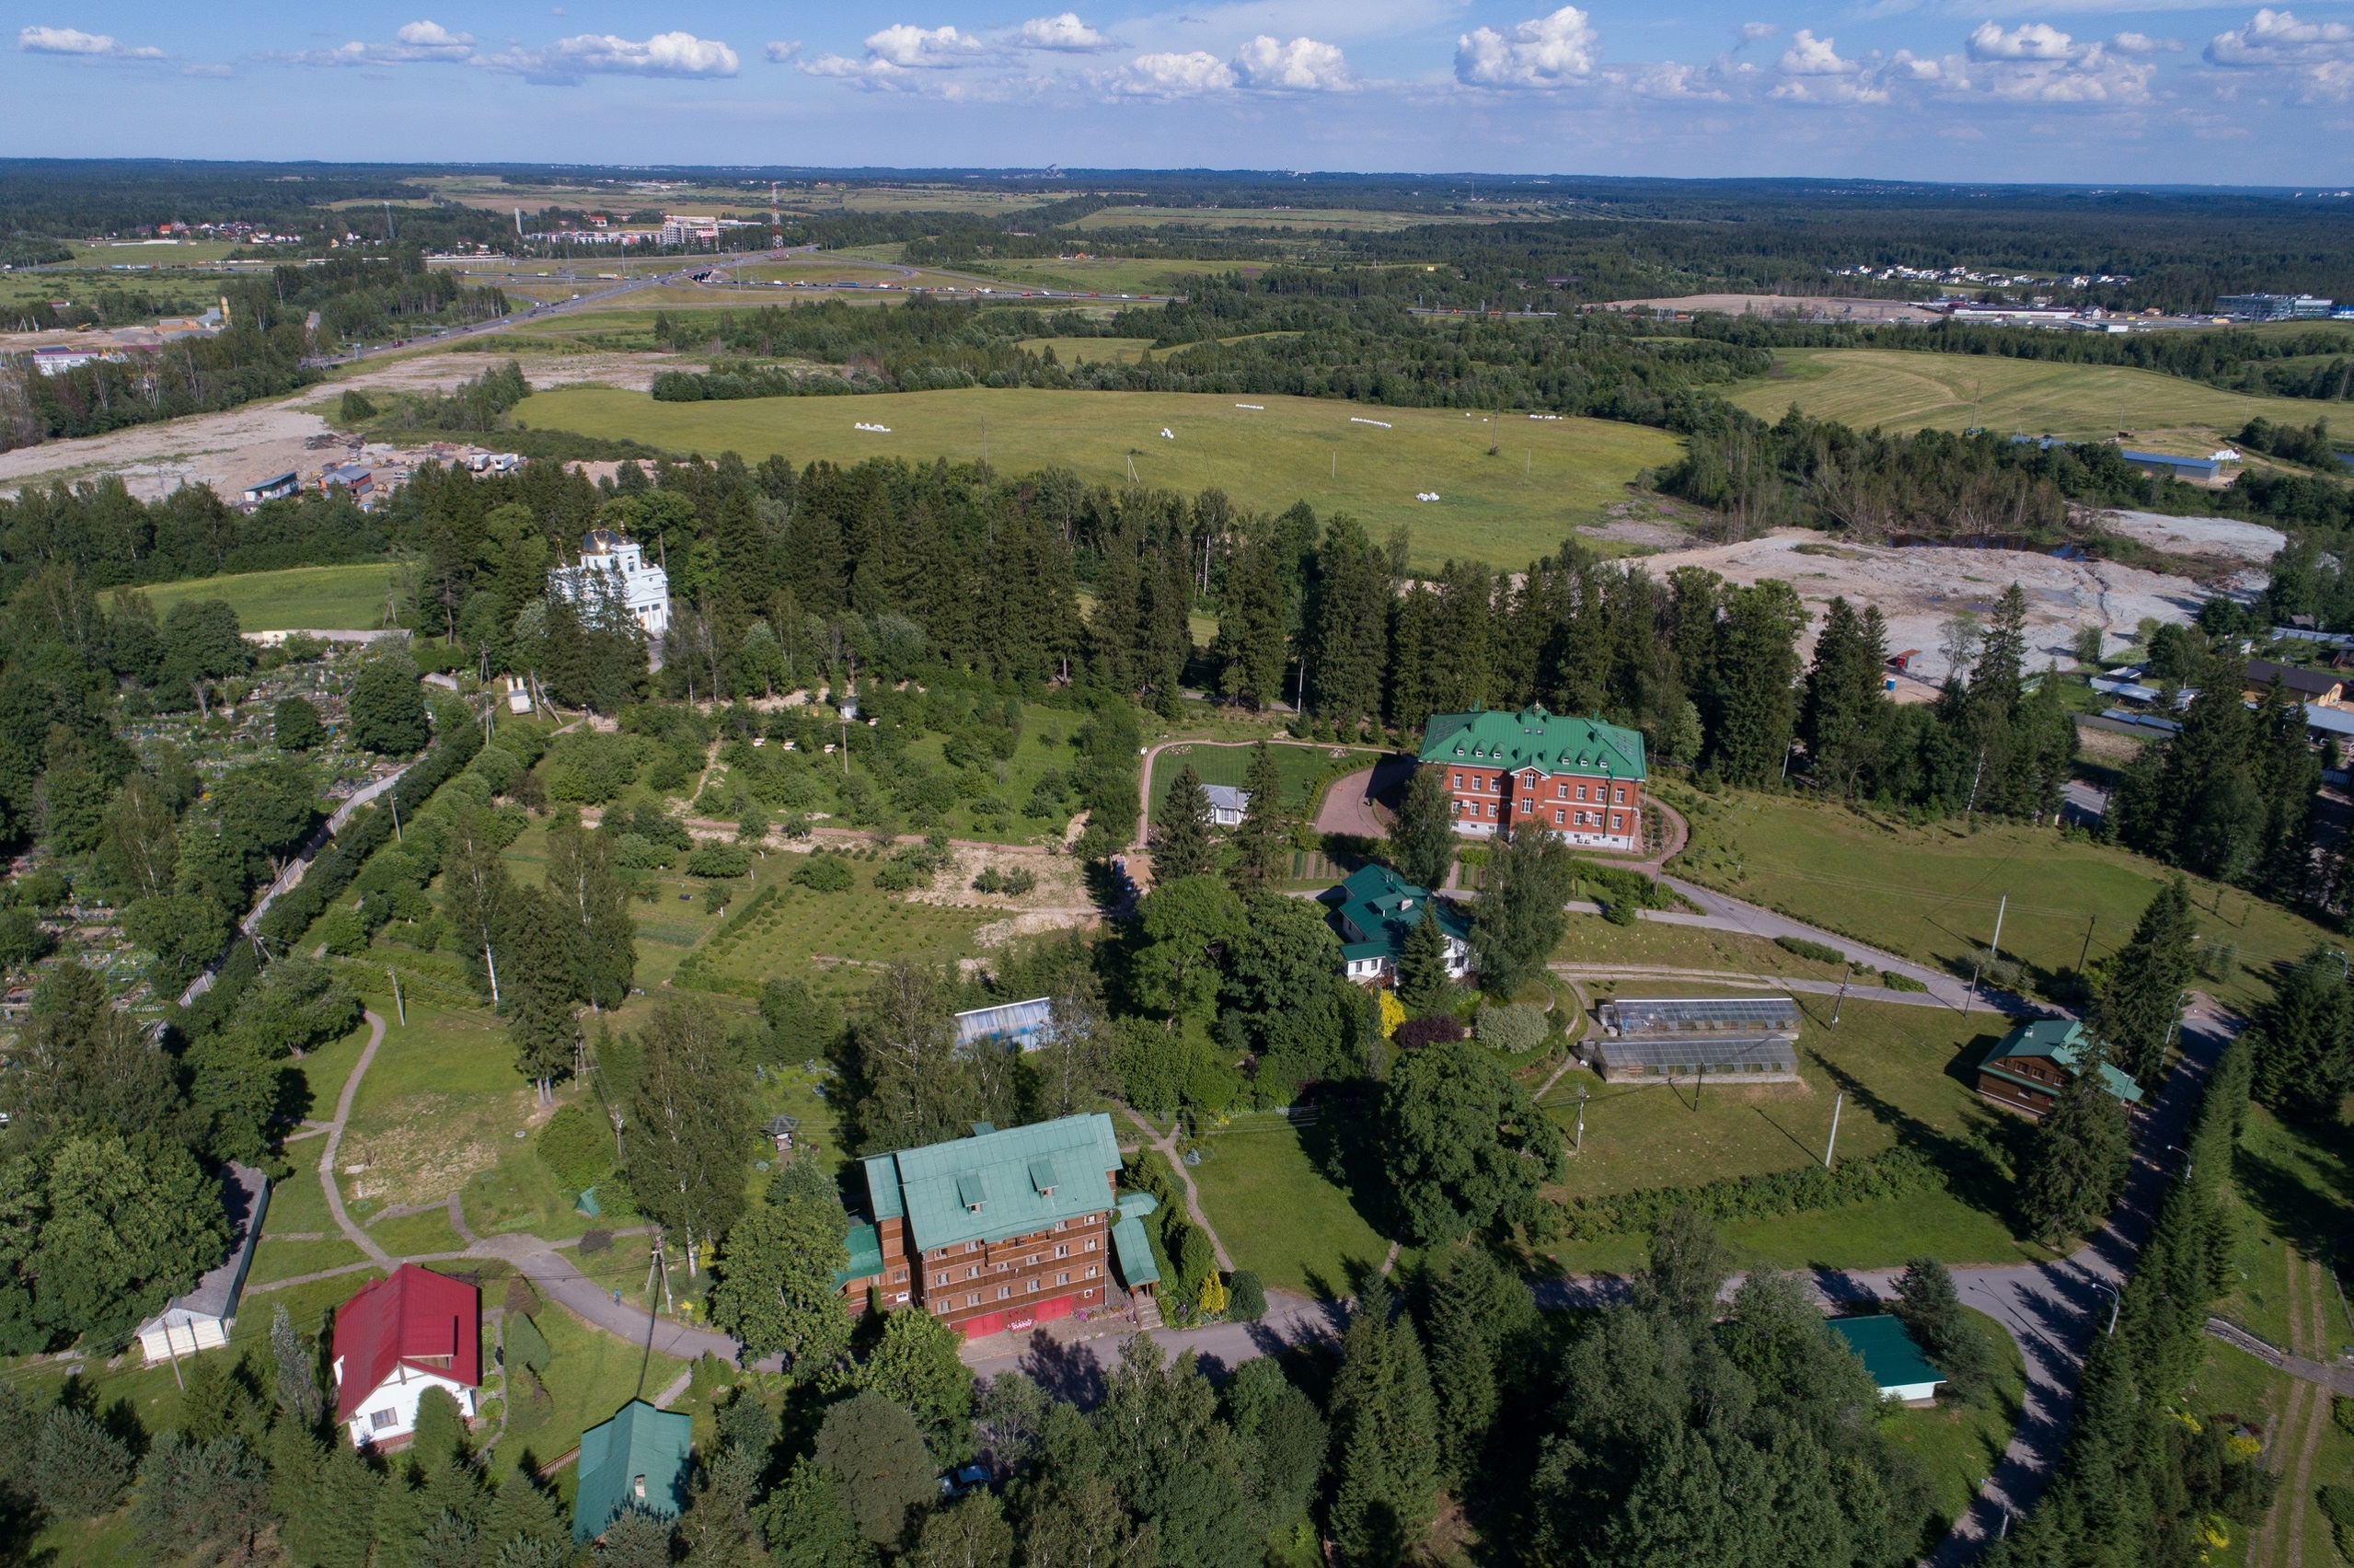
x=1893 y=1174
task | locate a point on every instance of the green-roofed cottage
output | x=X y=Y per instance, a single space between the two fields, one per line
x=1372 y=912
x=1899 y=1369
x=999 y=1231
x=638 y=1460
x=1581 y=778
x=2028 y=1067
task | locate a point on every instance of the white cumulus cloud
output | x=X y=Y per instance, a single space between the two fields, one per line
x=2034 y=40
x=780 y=51
x=914 y=47
x=75 y=42
x=569 y=60
x=1303 y=66
x=1171 y=75
x=413 y=43
x=1063 y=34
x=1810 y=56
x=2143 y=43
x=1558 y=51
x=1752 y=32
x=2277 y=37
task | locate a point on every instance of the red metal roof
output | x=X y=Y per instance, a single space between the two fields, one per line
x=430 y=1322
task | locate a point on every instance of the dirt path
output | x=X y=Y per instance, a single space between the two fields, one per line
x=1167 y=1145
x=2310 y=1327
x=358 y=1237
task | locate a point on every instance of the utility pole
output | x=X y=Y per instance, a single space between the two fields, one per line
x=1833 y=1142
x=1998 y=926
x=2086 y=955
x=399 y=1005
x=1838 y=1000
x=1579 y=1146
x=1971 y=995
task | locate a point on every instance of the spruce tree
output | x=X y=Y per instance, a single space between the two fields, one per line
x=1424 y=985
x=1250 y=645
x=1388 y=1433
x=1463 y=1363
x=1842 y=718
x=1758 y=664
x=2304 y=1039
x=542 y=946
x=580 y=880
x=2077 y=1166
x=1348 y=607
x=1930 y=1310
x=1422 y=841
x=2138 y=1007
x=1181 y=838
x=1262 y=840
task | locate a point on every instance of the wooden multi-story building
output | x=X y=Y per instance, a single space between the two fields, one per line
x=2028 y=1067
x=1580 y=779
x=1001 y=1230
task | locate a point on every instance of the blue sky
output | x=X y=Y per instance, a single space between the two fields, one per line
x=2039 y=90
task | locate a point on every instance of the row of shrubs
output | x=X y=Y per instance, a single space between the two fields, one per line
x=1893 y=1174
x=339 y=863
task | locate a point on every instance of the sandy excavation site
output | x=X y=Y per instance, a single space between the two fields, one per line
x=1920 y=588
x=230 y=451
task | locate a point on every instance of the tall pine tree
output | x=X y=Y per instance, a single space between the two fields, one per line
x=1263 y=839
x=1348 y=604
x=1386 y=1428
x=1842 y=719
x=2140 y=1002
x=1180 y=838
x=542 y=946
x=2082 y=1147
x=1250 y=647
x=1757 y=662
x=1422 y=841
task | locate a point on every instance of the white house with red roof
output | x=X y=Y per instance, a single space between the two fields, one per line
x=399 y=1337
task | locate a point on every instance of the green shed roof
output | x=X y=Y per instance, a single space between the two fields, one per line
x=638 y=1460
x=1534 y=738
x=866 y=1255
x=1888 y=1352
x=987 y=1187
x=1133 y=1248
x=2061 y=1041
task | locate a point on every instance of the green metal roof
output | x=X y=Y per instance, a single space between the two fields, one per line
x=1534 y=738
x=984 y=1188
x=866 y=1255
x=1888 y=1352
x=1133 y=1248
x=2061 y=1041
x=1385 y=907
x=641 y=1444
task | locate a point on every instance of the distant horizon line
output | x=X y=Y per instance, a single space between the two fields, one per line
x=1053 y=174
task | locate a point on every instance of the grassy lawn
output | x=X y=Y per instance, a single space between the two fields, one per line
x=2231 y=1382
x=1263 y=1186
x=2290 y=1188
x=414 y=1234
x=1594 y=941
x=1930 y=894
x=1552 y=476
x=589 y=1374
x=831 y=940
x=1962 y=1444
x=1108 y=274
x=275 y=1260
x=1900 y=390
x=1902 y=1072
x=440 y=1103
x=333 y=598
x=1300 y=767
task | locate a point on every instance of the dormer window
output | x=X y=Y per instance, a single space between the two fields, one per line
x=972 y=1192
x=1042 y=1177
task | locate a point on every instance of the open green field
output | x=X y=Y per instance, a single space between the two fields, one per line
x=1269 y=1200
x=1300 y=767
x=329 y=599
x=1109 y=274
x=1898 y=390
x=1930 y=894
x=1961 y=1444
x=1351 y=218
x=1508 y=510
x=129 y=252
x=2290 y=1188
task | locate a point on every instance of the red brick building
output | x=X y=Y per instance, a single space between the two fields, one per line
x=1001 y=1230
x=1579 y=778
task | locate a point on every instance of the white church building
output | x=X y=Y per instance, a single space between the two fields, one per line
x=610 y=563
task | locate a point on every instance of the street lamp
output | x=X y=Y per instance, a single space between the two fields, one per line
x=2116 y=1299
